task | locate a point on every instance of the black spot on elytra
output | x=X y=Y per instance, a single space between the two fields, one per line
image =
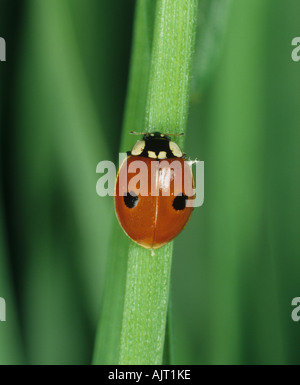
x=131 y=199
x=179 y=202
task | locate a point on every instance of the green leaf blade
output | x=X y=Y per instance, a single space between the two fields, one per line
x=148 y=274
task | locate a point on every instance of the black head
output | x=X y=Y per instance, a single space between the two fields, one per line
x=156 y=146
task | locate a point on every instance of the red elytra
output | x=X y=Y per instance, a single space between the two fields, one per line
x=154 y=211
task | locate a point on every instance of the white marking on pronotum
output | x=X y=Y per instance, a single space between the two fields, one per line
x=162 y=155
x=152 y=155
x=175 y=149
x=138 y=148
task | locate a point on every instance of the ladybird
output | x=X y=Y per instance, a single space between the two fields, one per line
x=152 y=208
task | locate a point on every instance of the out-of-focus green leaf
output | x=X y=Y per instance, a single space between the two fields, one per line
x=213 y=17
x=242 y=246
x=11 y=347
x=103 y=31
x=109 y=331
x=66 y=238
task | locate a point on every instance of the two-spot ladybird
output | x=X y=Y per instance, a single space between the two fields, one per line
x=153 y=187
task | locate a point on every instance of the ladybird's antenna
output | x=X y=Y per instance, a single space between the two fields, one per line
x=137 y=133
x=146 y=133
x=181 y=134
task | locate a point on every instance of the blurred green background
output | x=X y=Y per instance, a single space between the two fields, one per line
x=62 y=98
